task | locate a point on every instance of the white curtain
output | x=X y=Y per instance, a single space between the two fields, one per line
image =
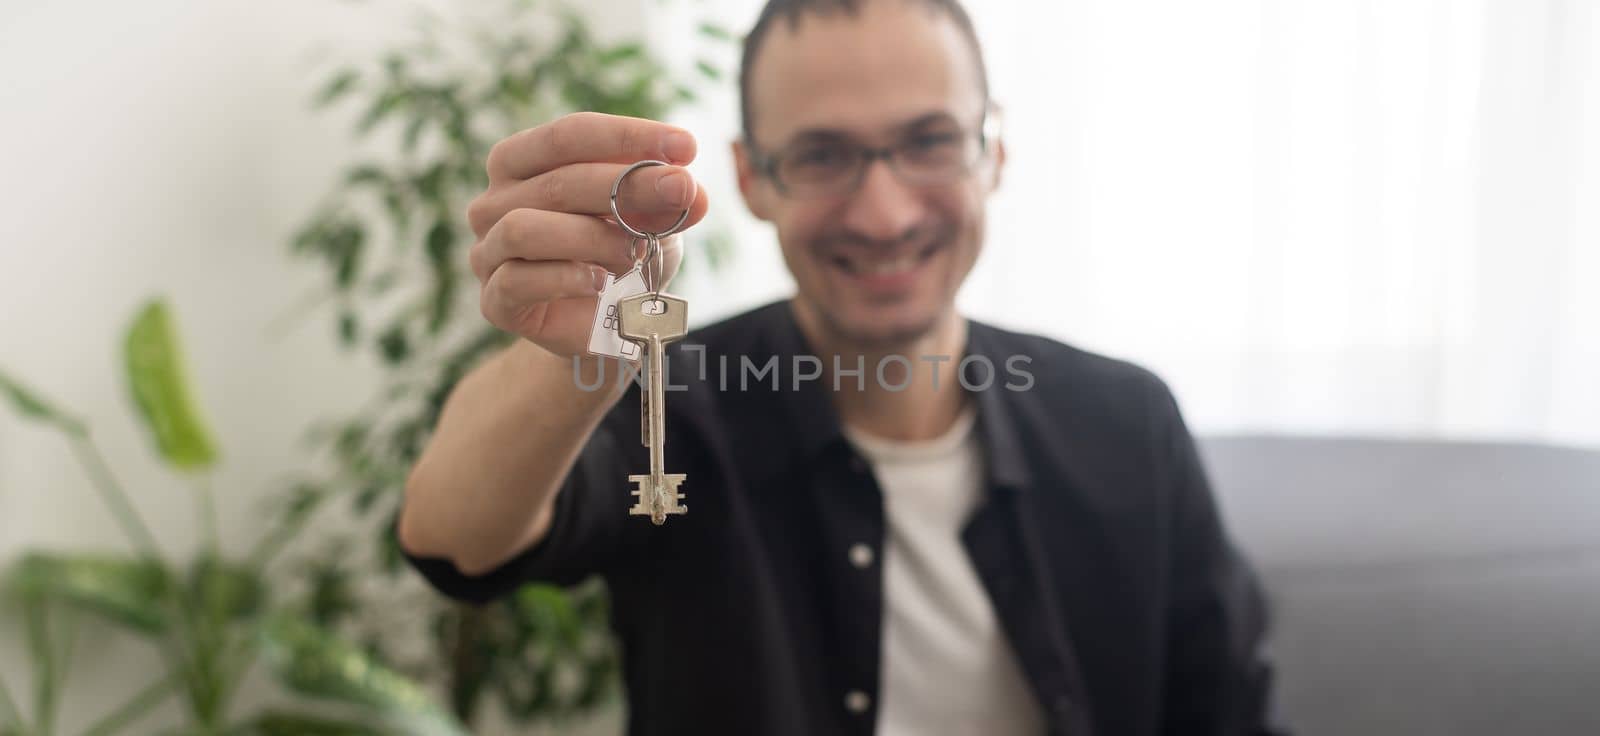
x=1330 y=216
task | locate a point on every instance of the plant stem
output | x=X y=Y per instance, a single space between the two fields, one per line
x=116 y=499
x=208 y=516
x=44 y=665
x=179 y=669
x=292 y=317
x=235 y=664
x=272 y=542
x=10 y=714
x=68 y=633
x=135 y=708
x=466 y=665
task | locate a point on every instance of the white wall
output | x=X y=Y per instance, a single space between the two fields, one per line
x=162 y=147
x=1309 y=217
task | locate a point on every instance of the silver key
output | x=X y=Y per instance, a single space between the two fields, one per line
x=653 y=321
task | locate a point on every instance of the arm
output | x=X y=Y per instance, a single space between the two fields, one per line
x=509 y=434
x=1218 y=681
x=508 y=438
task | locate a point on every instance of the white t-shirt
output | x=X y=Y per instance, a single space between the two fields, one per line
x=946 y=667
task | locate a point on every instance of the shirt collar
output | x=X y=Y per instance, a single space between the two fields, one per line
x=816 y=428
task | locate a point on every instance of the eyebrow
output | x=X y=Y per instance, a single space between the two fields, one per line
x=835 y=133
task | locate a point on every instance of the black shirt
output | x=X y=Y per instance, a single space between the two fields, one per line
x=1097 y=540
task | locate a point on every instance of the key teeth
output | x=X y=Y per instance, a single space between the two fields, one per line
x=642 y=505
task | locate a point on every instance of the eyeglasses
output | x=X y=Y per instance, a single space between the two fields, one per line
x=933 y=153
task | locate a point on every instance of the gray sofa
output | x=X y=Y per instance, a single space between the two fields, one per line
x=1423 y=588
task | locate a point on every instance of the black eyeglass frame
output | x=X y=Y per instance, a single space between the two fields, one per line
x=766 y=163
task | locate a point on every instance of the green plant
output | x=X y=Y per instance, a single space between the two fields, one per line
x=392 y=236
x=210 y=616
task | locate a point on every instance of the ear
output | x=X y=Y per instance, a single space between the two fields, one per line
x=999 y=164
x=752 y=185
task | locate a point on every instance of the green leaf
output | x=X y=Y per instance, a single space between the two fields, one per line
x=345 y=245
x=390 y=557
x=549 y=609
x=441 y=247
x=715 y=31
x=332 y=597
x=708 y=69
x=620 y=53
x=336 y=87
x=229 y=591
x=441 y=240
x=413 y=132
x=368 y=495
x=349 y=328
x=381 y=108
x=367 y=174
x=429 y=184
x=304 y=499
x=395 y=64
x=394 y=203
x=160 y=387
x=312 y=236
x=130 y=592
x=314 y=662
x=283 y=723
x=393 y=345
x=351 y=438
x=29 y=404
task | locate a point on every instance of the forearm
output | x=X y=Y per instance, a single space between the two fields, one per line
x=1219 y=680
x=484 y=487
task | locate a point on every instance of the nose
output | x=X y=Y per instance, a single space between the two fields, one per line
x=883 y=208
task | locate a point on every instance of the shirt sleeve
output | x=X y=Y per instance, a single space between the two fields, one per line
x=587 y=533
x=1219 y=680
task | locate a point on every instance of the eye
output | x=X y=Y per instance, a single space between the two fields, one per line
x=933 y=148
x=929 y=141
x=819 y=161
x=822 y=155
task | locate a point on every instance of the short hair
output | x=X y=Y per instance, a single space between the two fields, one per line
x=793 y=10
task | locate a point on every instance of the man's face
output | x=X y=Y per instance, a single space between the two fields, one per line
x=879 y=265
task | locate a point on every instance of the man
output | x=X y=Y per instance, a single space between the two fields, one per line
x=884 y=535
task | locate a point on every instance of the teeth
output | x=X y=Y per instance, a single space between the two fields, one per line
x=895 y=266
x=883 y=268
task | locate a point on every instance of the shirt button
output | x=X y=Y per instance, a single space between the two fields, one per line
x=857 y=702
x=861 y=556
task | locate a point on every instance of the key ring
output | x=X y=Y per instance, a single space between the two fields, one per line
x=653 y=266
x=650 y=265
x=616 y=186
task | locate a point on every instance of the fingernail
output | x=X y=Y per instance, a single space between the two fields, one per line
x=675 y=189
x=599 y=278
x=677 y=147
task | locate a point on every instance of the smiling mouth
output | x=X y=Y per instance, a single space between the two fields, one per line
x=868 y=265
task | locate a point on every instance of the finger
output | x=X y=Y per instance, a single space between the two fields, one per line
x=650 y=199
x=659 y=221
x=588 y=137
x=517 y=286
x=586 y=189
x=540 y=235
